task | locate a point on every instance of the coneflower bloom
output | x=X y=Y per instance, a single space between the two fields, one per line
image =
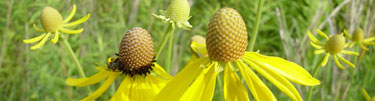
x=177 y=14
x=142 y=77
x=359 y=39
x=54 y=24
x=367 y=97
x=333 y=46
x=226 y=45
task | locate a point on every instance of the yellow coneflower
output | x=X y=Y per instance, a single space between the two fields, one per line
x=367 y=97
x=143 y=77
x=177 y=14
x=53 y=23
x=333 y=46
x=226 y=44
x=358 y=38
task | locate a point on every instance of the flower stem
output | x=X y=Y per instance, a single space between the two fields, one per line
x=169 y=54
x=163 y=41
x=255 y=30
x=314 y=75
x=71 y=53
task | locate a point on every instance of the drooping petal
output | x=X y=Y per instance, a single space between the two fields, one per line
x=203 y=87
x=290 y=70
x=41 y=43
x=71 y=14
x=80 y=82
x=35 y=39
x=337 y=62
x=347 y=36
x=123 y=91
x=276 y=79
x=78 y=21
x=68 y=31
x=199 y=49
x=325 y=60
x=349 y=52
x=256 y=86
x=56 y=37
x=322 y=34
x=160 y=71
x=315 y=45
x=176 y=87
x=369 y=39
x=313 y=39
x=101 y=89
x=234 y=90
x=363 y=46
x=37 y=28
x=320 y=51
x=346 y=61
x=141 y=90
x=367 y=97
x=351 y=44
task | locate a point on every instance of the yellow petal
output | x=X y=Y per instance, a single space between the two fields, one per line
x=41 y=43
x=35 y=39
x=160 y=71
x=347 y=36
x=71 y=14
x=68 y=31
x=256 y=86
x=325 y=60
x=322 y=34
x=80 y=82
x=199 y=49
x=363 y=47
x=142 y=90
x=123 y=91
x=203 y=87
x=56 y=37
x=276 y=79
x=319 y=51
x=78 y=21
x=337 y=62
x=313 y=39
x=290 y=70
x=367 y=97
x=369 y=39
x=346 y=61
x=349 y=52
x=176 y=87
x=315 y=45
x=101 y=89
x=37 y=28
x=234 y=90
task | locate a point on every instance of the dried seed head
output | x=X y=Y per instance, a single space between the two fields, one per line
x=226 y=36
x=178 y=10
x=136 y=49
x=357 y=35
x=51 y=19
x=335 y=44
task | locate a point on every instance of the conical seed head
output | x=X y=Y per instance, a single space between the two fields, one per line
x=358 y=35
x=136 y=48
x=51 y=19
x=226 y=36
x=178 y=10
x=335 y=44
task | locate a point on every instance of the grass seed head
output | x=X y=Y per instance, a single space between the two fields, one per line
x=226 y=36
x=335 y=44
x=136 y=48
x=51 y=19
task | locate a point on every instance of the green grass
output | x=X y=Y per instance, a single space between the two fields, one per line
x=41 y=74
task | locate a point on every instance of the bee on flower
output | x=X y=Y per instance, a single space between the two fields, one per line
x=224 y=51
x=177 y=14
x=358 y=37
x=334 y=46
x=53 y=24
x=142 y=77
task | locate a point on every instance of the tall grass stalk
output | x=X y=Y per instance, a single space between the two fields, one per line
x=255 y=31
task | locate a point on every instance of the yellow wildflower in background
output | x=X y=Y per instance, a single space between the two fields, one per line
x=226 y=45
x=367 y=97
x=143 y=78
x=358 y=38
x=333 y=46
x=53 y=23
x=177 y=14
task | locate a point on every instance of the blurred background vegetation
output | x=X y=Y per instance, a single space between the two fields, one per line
x=41 y=74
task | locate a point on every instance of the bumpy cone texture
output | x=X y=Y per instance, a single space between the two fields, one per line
x=357 y=35
x=136 y=49
x=226 y=36
x=51 y=19
x=178 y=10
x=335 y=44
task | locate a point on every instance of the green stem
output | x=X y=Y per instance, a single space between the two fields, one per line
x=255 y=31
x=314 y=75
x=71 y=53
x=220 y=84
x=163 y=41
x=169 y=54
